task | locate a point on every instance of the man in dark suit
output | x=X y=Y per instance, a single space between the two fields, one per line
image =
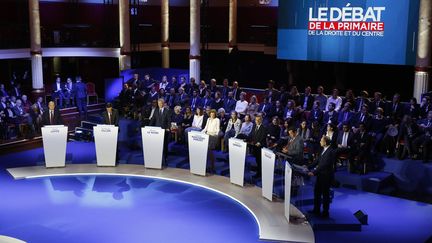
x=395 y=109
x=294 y=148
x=377 y=102
x=345 y=140
x=182 y=98
x=162 y=118
x=80 y=92
x=110 y=115
x=361 y=101
x=51 y=116
x=236 y=90
x=306 y=100
x=57 y=91
x=229 y=103
x=195 y=101
x=271 y=93
x=257 y=140
x=265 y=109
x=225 y=89
x=323 y=169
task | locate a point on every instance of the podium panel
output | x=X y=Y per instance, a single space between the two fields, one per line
x=153 y=142
x=106 y=144
x=268 y=164
x=287 y=202
x=237 y=158
x=198 y=147
x=54 y=139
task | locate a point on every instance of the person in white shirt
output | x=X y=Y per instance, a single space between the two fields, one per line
x=334 y=99
x=212 y=129
x=241 y=105
x=196 y=122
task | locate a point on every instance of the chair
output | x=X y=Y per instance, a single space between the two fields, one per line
x=91 y=92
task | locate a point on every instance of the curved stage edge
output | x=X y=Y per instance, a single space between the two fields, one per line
x=268 y=215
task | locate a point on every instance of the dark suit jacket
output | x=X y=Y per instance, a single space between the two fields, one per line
x=395 y=113
x=267 y=109
x=295 y=149
x=80 y=90
x=349 y=141
x=258 y=136
x=360 y=102
x=324 y=164
x=309 y=103
x=57 y=120
x=367 y=120
x=229 y=105
x=114 y=117
x=316 y=115
x=161 y=120
x=373 y=105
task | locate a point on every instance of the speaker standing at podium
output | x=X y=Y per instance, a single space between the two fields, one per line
x=111 y=115
x=258 y=139
x=51 y=116
x=323 y=170
x=162 y=118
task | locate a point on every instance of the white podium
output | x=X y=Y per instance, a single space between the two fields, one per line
x=198 y=147
x=105 y=137
x=268 y=159
x=287 y=202
x=237 y=158
x=153 y=143
x=54 y=140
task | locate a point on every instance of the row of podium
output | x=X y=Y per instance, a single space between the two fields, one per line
x=105 y=136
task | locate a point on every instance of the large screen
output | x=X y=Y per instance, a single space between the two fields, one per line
x=357 y=31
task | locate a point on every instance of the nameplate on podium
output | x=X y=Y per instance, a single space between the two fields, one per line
x=237 y=158
x=54 y=139
x=105 y=137
x=198 y=147
x=153 y=144
x=268 y=159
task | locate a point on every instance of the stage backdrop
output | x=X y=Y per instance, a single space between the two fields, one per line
x=359 y=31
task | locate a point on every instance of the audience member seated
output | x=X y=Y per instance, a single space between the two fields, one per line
x=322 y=98
x=306 y=100
x=274 y=131
x=335 y=99
x=332 y=133
x=408 y=131
x=425 y=106
x=330 y=116
x=252 y=108
x=246 y=128
x=424 y=140
x=413 y=109
x=241 y=105
x=197 y=122
x=232 y=129
x=361 y=150
x=316 y=114
x=361 y=101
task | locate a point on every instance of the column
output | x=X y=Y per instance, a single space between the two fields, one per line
x=423 y=61
x=125 y=43
x=165 y=33
x=35 y=49
x=195 y=42
x=232 y=35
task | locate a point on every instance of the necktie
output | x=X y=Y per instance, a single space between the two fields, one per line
x=262 y=110
x=109 y=118
x=344 y=140
x=361 y=117
x=51 y=118
x=345 y=116
x=160 y=111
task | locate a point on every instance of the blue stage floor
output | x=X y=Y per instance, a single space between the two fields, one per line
x=123 y=209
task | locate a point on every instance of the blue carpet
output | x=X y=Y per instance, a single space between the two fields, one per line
x=119 y=209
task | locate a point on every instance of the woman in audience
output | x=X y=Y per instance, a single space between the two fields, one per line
x=274 y=131
x=331 y=132
x=294 y=95
x=197 y=123
x=252 y=107
x=241 y=105
x=246 y=128
x=313 y=143
x=223 y=118
x=176 y=121
x=303 y=131
x=232 y=129
x=218 y=101
x=212 y=129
